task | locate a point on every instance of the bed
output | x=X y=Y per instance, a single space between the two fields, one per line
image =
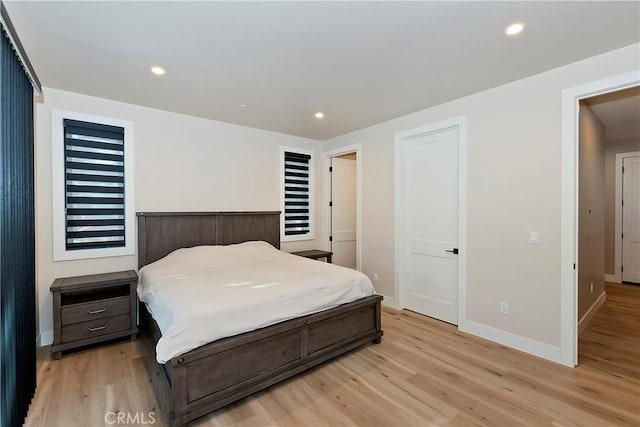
x=216 y=374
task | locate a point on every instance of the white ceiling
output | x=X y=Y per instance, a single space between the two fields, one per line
x=359 y=62
x=619 y=112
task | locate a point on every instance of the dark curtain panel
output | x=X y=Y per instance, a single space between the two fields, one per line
x=17 y=240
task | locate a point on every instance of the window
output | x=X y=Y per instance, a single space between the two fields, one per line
x=297 y=185
x=93 y=201
x=94 y=174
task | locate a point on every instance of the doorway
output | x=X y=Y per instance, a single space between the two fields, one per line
x=343 y=208
x=343 y=199
x=628 y=189
x=616 y=115
x=431 y=220
x=579 y=202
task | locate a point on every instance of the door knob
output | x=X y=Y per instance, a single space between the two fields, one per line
x=453 y=251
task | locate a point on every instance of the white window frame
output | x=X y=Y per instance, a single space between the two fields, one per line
x=60 y=252
x=311 y=234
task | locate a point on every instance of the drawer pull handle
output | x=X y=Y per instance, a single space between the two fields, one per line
x=97 y=328
x=102 y=310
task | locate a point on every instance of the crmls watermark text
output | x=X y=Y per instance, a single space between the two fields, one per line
x=130 y=418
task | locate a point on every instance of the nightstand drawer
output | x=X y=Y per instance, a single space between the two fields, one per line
x=99 y=309
x=96 y=328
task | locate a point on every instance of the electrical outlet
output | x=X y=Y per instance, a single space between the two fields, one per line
x=504 y=308
x=591 y=287
x=375 y=277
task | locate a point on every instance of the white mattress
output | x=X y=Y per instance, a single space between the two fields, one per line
x=201 y=294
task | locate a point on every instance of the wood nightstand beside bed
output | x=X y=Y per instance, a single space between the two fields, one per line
x=92 y=309
x=228 y=369
x=315 y=254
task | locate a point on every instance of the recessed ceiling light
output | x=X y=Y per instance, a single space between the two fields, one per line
x=514 y=29
x=319 y=115
x=158 y=71
x=243 y=105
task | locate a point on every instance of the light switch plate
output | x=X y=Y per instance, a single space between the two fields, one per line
x=534 y=238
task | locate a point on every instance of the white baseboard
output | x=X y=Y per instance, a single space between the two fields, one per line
x=45 y=338
x=611 y=278
x=389 y=302
x=591 y=312
x=527 y=345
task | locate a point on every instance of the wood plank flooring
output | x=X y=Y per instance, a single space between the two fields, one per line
x=425 y=373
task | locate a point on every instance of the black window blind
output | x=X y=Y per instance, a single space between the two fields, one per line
x=94 y=185
x=297 y=200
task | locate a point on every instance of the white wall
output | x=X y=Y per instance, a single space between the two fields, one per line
x=513 y=188
x=591 y=206
x=182 y=163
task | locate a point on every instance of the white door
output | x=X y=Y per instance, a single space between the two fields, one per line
x=343 y=212
x=431 y=224
x=631 y=219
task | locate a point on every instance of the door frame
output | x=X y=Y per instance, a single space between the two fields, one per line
x=569 y=147
x=326 y=163
x=618 y=213
x=460 y=123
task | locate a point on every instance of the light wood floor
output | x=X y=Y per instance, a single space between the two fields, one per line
x=424 y=373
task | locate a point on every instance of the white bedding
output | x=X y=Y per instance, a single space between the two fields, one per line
x=201 y=294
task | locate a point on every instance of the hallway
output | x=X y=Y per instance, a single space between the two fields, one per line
x=611 y=342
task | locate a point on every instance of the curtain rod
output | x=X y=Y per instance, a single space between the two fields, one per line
x=18 y=48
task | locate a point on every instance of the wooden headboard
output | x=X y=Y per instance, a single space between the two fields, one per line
x=160 y=233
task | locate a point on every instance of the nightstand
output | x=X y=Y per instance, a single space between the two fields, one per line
x=315 y=254
x=91 y=309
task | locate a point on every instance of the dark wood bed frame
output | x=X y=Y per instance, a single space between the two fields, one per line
x=221 y=372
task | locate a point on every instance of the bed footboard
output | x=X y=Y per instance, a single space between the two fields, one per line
x=226 y=370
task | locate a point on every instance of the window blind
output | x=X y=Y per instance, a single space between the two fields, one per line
x=94 y=185
x=296 y=193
